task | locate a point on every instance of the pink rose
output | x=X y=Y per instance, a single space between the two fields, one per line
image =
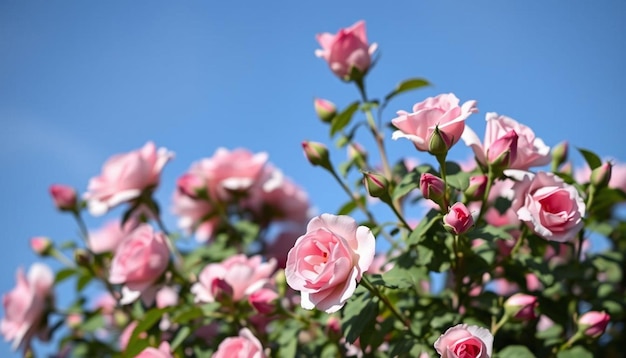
x=530 y=151
x=139 y=261
x=443 y=112
x=459 y=219
x=432 y=187
x=163 y=351
x=521 y=306
x=593 y=323
x=237 y=276
x=26 y=306
x=548 y=205
x=328 y=261
x=109 y=236
x=246 y=345
x=64 y=197
x=346 y=51
x=194 y=216
x=465 y=341
x=264 y=300
x=125 y=176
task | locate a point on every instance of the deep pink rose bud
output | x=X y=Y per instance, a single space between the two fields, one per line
x=432 y=187
x=377 y=185
x=221 y=290
x=317 y=154
x=559 y=154
x=263 y=300
x=503 y=151
x=593 y=323
x=521 y=306
x=41 y=245
x=601 y=175
x=477 y=187
x=458 y=220
x=325 y=110
x=64 y=197
x=191 y=185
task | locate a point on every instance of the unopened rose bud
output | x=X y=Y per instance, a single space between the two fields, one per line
x=477 y=187
x=521 y=306
x=593 y=323
x=41 y=245
x=64 y=197
x=221 y=290
x=458 y=220
x=73 y=320
x=263 y=300
x=439 y=143
x=82 y=257
x=377 y=185
x=191 y=185
x=325 y=110
x=503 y=151
x=601 y=175
x=432 y=187
x=317 y=154
x=559 y=154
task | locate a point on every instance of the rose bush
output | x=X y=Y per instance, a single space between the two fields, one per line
x=490 y=257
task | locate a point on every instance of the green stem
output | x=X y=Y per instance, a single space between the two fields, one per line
x=376 y=292
x=485 y=201
x=501 y=322
x=441 y=159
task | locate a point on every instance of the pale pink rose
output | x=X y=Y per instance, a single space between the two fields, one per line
x=594 y=323
x=246 y=345
x=194 y=216
x=530 y=150
x=347 y=50
x=544 y=323
x=237 y=276
x=26 y=306
x=110 y=235
x=64 y=196
x=125 y=176
x=328 y=261
x=465 y=341
x=442 y=111
x=521 y=306
x=548 y=205
x=163 y=351
x=139 y=261
x=459 y=219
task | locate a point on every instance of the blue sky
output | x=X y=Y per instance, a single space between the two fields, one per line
x=80 y=81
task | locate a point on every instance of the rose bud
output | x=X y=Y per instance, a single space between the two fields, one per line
x=593 y=323
x=601 y=175
x=317 y=154
x=263 y=300
x=41 y=245
x=377 y=185
x=503 y=151
x=64 y=197
x=439 y=142
x=325 y=110
x=476 y=188
x=432 y=187
x=458 y=220
x=521 y=306
x=559 y=154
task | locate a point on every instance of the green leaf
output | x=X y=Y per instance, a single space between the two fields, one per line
x=405 y=86
x=410 y=182
x=575 y=352
x=149 y=319
x=83 y=280
x=350 y=206
x=358 y=314
x=591 y=158
x=456 y=177
x=64 y=274
x=93 y=323
x=515 y=352
x=432 y=217
x=342 y=119
x=182 y=334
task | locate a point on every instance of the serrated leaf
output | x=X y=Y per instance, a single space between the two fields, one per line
x=407 y=85
x=591 y=158
x=342 y=119
x=515 y=351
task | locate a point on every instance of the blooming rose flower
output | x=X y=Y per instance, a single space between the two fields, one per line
x=465 y=341
x=326 y=262
x=139 y=261
x=530 y=150
x=237 y=276
x=442 y=111
x=548 y=205
x=594 y=323
x=108 y=237
x=64 y=196
x=458 y=219
x=26 y=305
x=163 y=351
x=347 y=50
x=125 y=176
x=246 y=345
